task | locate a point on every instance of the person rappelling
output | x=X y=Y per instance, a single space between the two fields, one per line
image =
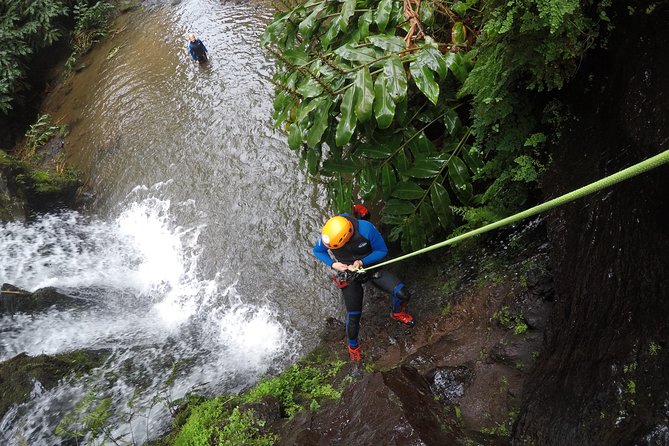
x=346 y=245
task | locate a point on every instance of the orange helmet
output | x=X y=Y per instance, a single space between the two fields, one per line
x=336 y=232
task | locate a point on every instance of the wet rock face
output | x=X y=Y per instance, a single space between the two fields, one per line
x=384 y=408
x=16 y=300
x=602 y=377
x=23 y=374
x=449 y=383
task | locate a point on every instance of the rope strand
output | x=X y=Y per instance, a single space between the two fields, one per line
x=632 y=171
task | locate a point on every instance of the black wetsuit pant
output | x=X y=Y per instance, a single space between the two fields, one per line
x=353 y=294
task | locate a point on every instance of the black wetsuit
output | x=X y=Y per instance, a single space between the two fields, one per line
x=360 y=247
x=198 y=51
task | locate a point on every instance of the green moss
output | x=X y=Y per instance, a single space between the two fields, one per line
x=299 y=383
x=446 y=310
x=18 y=374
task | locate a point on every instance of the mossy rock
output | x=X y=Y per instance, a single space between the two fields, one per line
x=15 y=300
x=42 y=189
x=19 y=374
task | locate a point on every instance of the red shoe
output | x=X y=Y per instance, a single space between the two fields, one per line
x=354 y=353
x=405 y=318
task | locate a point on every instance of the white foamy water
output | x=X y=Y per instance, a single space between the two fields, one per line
x=138 y=294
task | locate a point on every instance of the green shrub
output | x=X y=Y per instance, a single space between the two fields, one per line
x=91 y=24
x=296 y=385
x=444 y=122
x=202 y=424
x=25 y=27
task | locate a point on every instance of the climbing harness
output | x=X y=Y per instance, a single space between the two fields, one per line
x=632 y=171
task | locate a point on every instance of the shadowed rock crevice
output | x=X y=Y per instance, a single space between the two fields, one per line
x=603 y=376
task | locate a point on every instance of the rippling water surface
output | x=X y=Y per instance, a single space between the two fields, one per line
x=195 y=249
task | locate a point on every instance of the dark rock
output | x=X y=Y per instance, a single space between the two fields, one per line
x=449 y=383
x=16 y=300
x=540 y=283
x=23 y=373
x=268 y=409
x=389 y=408
x=42 y=190
x=333 y=331
x=601 y=378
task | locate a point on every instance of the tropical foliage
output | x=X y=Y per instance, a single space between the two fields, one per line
x=423 y=105
x=25 y=27
x=91 y=24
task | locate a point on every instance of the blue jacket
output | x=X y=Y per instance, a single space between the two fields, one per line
x=191 y=48
x=365 y=229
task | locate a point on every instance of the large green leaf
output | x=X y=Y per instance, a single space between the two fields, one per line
x=407 y=190
x=364 y=21
x=332 y=32
x=384 y=106
x=320 y=122
x=365 y=94
x=295 y=136
x=304 y=111
x=375 y=151
x=362 y=55
x=401 y=163
x=346 y=13
x=343 y=195
x=392 y=44
x=389 y=219
x=452 y=122
x=308 y=25
x=396 y=78
x=296 y=56
x=313 y=158
x=275 y=29
x=310 y=88
x=441 y=203
x=457 y=66
x=428 y=217
x=459 y=34
x=283 y=103
x=398 y=207
x=388 y=180
x=383 y=14
x=347 y=122
x=337 y=166
x=424 y=79
x=431 y=57
x=425 y=168
x=459 y=179
x=415 y=233
x=471 y=157
x=420 y=146
x=367 y=182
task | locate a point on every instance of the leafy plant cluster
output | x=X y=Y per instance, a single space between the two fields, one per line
x=232 y=421
x=91 y=24
x=210 y=423
x=89 y=417
x=298 y=385
x=40 y=133
x=423 y=106
x=511 y=321
x=25 y=27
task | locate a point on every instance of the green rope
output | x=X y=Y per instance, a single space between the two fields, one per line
x=632 y=171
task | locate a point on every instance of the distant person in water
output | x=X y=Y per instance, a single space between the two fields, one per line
x=197 y=49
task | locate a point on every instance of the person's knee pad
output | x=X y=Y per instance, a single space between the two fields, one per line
x=353 y=325
x=403 y=294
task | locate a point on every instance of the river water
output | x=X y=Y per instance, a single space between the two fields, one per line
x=192 y=260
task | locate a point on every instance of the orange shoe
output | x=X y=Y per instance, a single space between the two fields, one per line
x=405 y=318
x=354 y=353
